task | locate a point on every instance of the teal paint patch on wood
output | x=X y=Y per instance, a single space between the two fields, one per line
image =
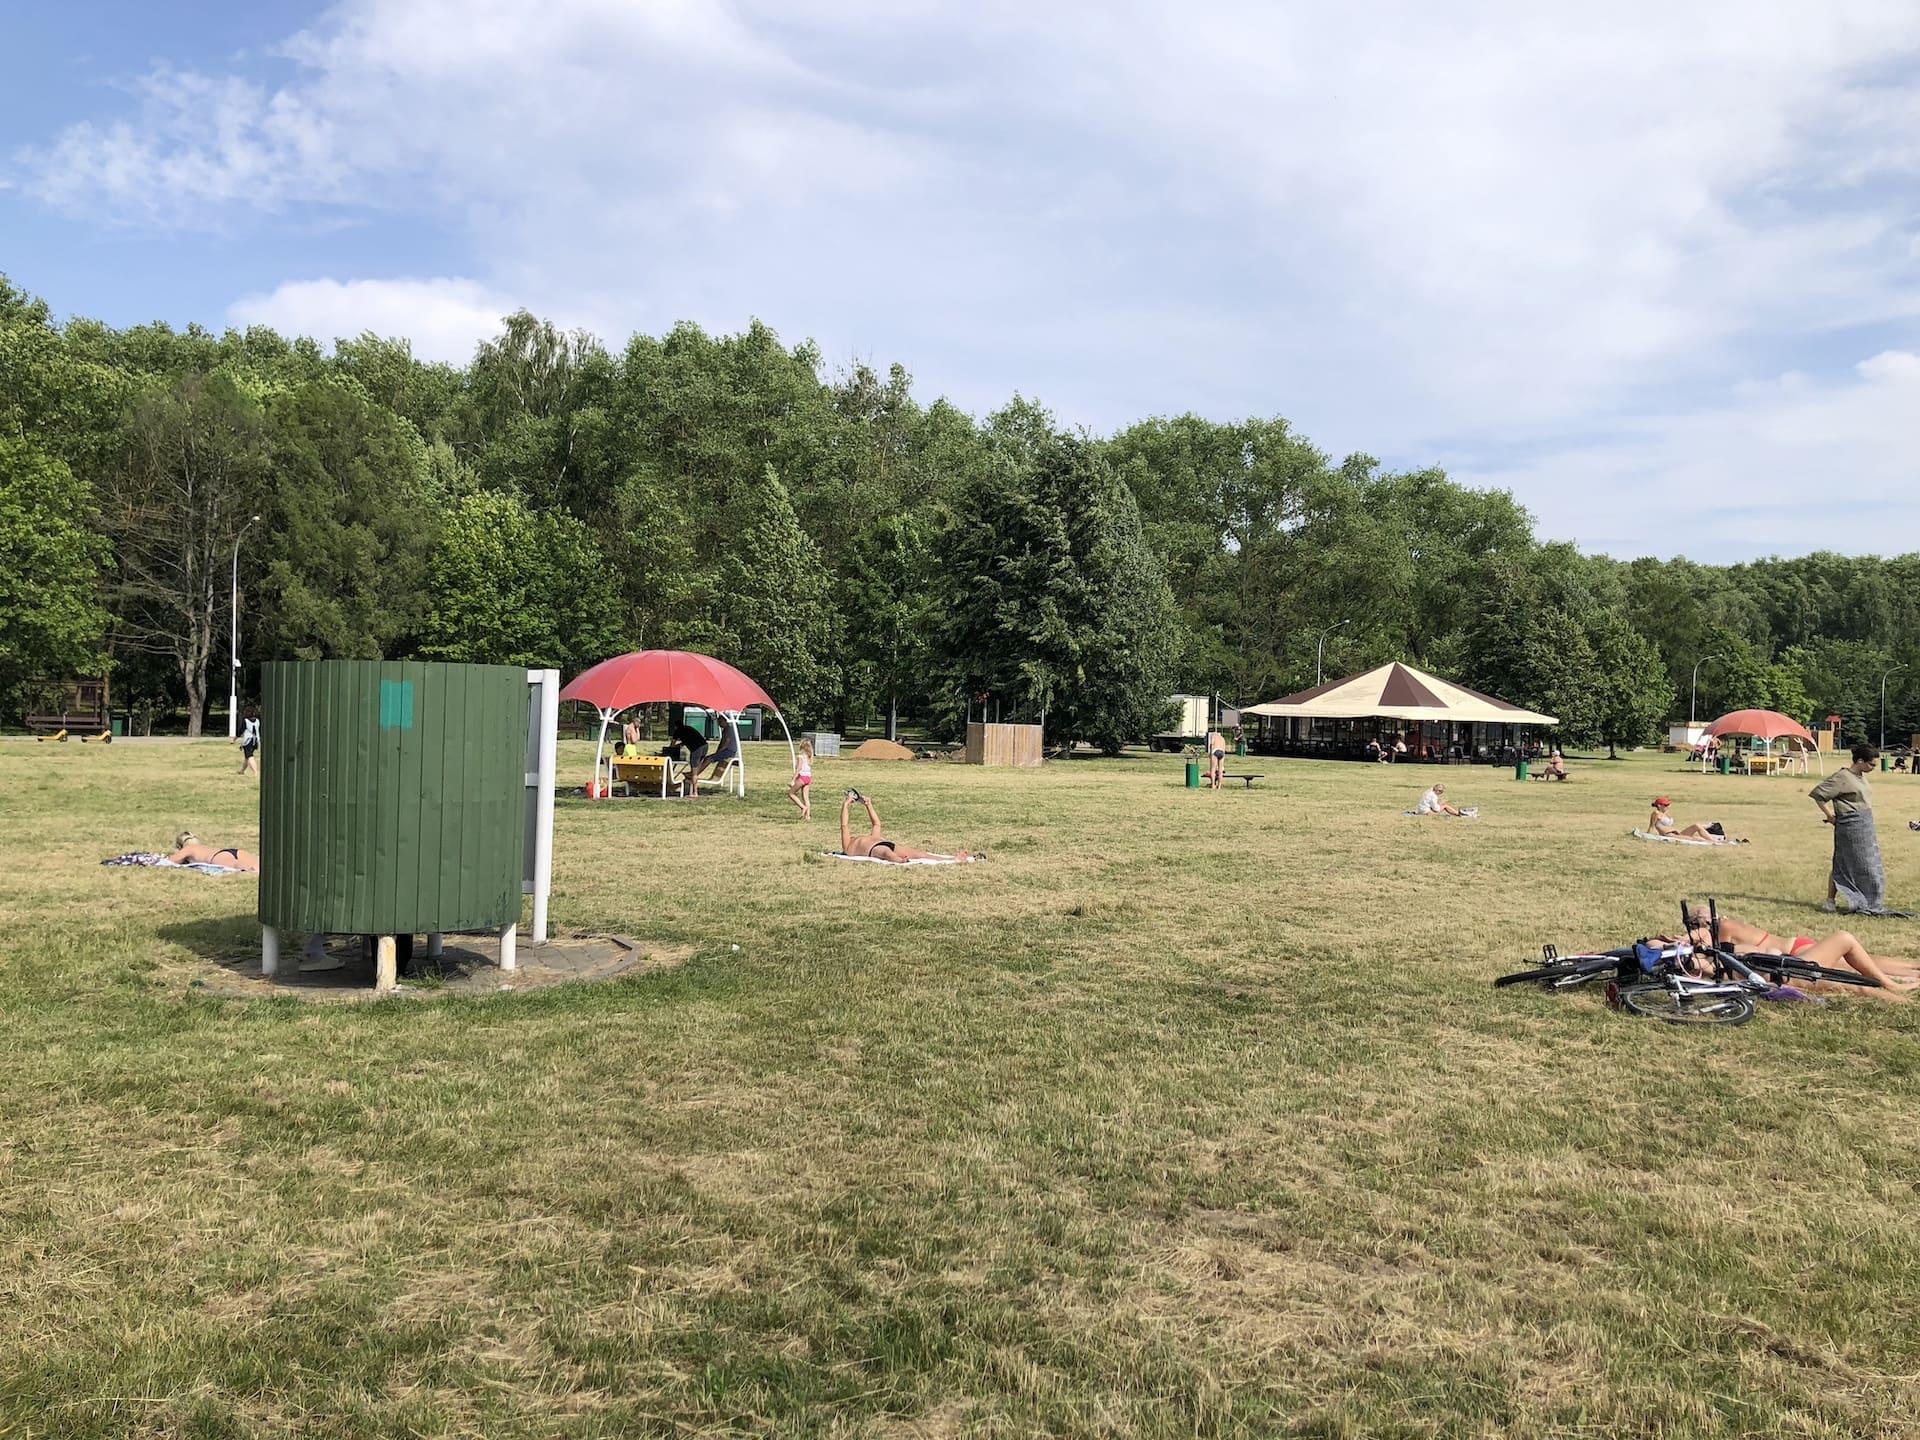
x=395 y=805
x=396 y=704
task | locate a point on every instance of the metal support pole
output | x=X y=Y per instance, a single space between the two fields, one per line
x=507 y=959
x=233 y=639
x=269 y=951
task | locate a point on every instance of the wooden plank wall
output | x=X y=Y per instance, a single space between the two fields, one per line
x=1003 y=744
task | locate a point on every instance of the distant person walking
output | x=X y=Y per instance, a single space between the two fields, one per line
x=1216 y=758
x=1847 y=805
x=800 y=792
x=250 y=743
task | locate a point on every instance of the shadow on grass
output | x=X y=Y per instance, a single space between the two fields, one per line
x=344 y=962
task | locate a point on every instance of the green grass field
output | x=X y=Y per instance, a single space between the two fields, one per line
x=1183 y=1114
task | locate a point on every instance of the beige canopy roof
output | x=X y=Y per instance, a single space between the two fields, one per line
x=1398 y=692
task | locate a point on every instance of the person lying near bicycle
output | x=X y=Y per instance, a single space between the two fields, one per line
x=1892 y=979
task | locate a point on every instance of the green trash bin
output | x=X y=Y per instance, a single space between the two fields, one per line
x=1883 y=763
x=1520 y=768
x=117 y=726
x=1240 y=748
x=1726 y=764
x=1193 y=774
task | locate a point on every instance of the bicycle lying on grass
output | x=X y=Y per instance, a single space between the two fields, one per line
x=1681 y=981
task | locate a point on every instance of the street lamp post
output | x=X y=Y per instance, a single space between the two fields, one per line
x=1320 y=649
x=1883 y=703
x=1693 y=693
x=233 y=642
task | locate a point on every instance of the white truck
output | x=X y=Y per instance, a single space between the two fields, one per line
x=1189 y=723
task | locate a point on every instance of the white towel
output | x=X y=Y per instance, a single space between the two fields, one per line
x=896 y=864
x=1640 y=834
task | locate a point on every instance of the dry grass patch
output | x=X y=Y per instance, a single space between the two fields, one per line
x=1184 y=1114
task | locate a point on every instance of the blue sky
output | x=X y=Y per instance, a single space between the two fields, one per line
x=1653 y=267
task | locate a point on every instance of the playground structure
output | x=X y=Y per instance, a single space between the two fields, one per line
x=672 y=677
x=401 y=798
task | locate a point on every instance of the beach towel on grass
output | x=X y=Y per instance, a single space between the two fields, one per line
x=1472 y=812
x=897 y=864
x=1640 y=834
x=151 y=861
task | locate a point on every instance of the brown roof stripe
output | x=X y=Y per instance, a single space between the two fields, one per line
x=1300 y=697
x=1404 y=688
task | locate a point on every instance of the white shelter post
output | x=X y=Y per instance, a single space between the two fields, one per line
x=606 y=718
x=547 y=691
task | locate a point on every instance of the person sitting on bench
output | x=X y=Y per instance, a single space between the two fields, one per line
x=874 y=846
x=717 y=762
x=1434 y=803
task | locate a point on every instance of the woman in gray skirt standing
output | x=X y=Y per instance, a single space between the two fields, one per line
x=1847 y=805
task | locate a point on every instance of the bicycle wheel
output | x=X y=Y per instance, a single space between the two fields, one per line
x=1683 y=1007
x=1565 y=974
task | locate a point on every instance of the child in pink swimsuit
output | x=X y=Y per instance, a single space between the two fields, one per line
x=800 y=792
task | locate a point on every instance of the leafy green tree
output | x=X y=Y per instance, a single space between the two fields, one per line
x=771 y=612
x=194 y=470
x=1050 y=602
x=1535 y=653
x=349 y=526
x=887 y=604
x=1633 y=695
x=511 y=586
x=51 y=621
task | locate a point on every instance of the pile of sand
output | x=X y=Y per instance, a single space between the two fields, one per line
x=879 y=750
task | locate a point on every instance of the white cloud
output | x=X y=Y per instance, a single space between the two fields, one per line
x=1416 y=230
x=1782 y=466
x=444 y=318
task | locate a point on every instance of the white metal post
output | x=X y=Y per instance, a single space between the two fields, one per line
x=269 y=951
x=507 y=959
x=233 y=639
x=549 y=723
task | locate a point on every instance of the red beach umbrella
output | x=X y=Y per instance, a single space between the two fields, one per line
x=679 y=677
x=1761 y=725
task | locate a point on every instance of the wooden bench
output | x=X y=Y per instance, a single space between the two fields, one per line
x=1248 y=779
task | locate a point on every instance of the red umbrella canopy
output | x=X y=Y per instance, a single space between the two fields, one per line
x=1762 y=725
x=679 y=677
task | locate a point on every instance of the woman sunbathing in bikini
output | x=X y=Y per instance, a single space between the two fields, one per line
x=874 y=846
x=1661 y=822
x=1895 y=979
x=187 y=850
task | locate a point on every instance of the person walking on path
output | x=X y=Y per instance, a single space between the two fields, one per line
x=250 y=742
x=1216 y=758
x=1847 y=805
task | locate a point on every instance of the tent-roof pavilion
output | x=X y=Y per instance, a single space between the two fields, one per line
x=1398 y=692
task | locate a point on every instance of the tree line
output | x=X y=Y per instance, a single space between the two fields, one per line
x=862 y=554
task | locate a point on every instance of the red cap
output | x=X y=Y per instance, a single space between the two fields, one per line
x=1661 y=801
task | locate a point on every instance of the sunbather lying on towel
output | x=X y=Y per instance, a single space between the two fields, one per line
x=1896 y=979
x=187 y=850
x=874 y=847
x=1659 y=822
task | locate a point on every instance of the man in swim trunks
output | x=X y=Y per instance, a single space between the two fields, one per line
x=875 y=846
x=1216 y=758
